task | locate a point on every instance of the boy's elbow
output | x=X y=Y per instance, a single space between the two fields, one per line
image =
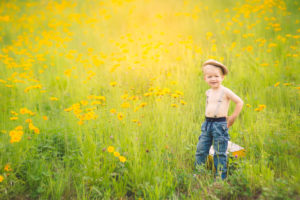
x=241 y=103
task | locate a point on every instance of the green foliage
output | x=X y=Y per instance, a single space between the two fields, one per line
x=62 y=54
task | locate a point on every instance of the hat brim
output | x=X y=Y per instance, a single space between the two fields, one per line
x=216 y=64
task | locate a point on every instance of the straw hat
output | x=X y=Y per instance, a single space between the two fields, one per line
x=216 y=64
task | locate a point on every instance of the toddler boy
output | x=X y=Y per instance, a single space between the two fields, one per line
x=214 y=131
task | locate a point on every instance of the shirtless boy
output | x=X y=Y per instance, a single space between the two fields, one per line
x=214 y=131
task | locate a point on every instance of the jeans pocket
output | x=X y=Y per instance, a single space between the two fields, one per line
x=224 y=126
x=221 y=130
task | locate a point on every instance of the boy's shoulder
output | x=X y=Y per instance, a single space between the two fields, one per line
x=228 y=92
x=231 y=95
x=225 y=89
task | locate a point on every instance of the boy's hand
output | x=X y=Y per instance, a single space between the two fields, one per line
x=230 y=121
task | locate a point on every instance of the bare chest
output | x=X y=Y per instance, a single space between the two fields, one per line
x=216 y=104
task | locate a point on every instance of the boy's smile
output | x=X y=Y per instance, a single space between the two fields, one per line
x=213 y=76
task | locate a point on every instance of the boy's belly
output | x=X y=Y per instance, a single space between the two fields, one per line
x=213 y=111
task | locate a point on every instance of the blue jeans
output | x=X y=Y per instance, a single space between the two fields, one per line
x=216 y=134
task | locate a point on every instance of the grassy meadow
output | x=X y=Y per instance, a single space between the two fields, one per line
x=104 y=99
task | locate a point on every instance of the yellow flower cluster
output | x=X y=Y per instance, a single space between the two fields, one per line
x=7 y=168
x=16 y=134
x=177 y=95
x=34 y=128
x=87 y=113
x=142 y=105
x=38 y=86
x=137 y=122
x=111 y=149
x=260 y=107
x=24 y=111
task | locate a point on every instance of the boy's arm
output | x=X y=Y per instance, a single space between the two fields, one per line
x=238 y=107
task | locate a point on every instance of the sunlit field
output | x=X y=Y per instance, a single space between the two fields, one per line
x=104 y=99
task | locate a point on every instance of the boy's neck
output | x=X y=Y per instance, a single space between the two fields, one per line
x=215 y=89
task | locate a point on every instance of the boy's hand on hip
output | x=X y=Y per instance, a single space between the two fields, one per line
x=230 y=121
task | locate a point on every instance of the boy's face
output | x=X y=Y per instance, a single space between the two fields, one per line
x=213 y=76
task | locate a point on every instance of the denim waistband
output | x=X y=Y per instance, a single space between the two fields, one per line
x=213 y=119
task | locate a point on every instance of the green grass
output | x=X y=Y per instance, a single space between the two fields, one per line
x=151 y=49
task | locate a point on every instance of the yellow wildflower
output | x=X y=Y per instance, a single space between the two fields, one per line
x=100 y=98
x=34 y=128
x=262 y=106
x=142 y=104
x=7 y=168
x=23 y=111
x=84 y=102
x=120 y=116
x=91 y=97
x=175 y=96
x=174 y=105
x=13 y=118
x=36 y=131
x=116 y=154
x=147 y=94
x=1 y=178
x=182 y=102
x=134 y=98
x=264 y=64
x=53 y=99
x=113 y=111
x=179 y=92
x=68 y=72
x=125 y=105
x=248 y=105
x=13 y=113
x=19 y=128
x=68 y=109
x=113 y=84
x=124 y=96
x=96 y=103
x=110 y=149
x=122 y=159
x=276 y=84
x=45 y=118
